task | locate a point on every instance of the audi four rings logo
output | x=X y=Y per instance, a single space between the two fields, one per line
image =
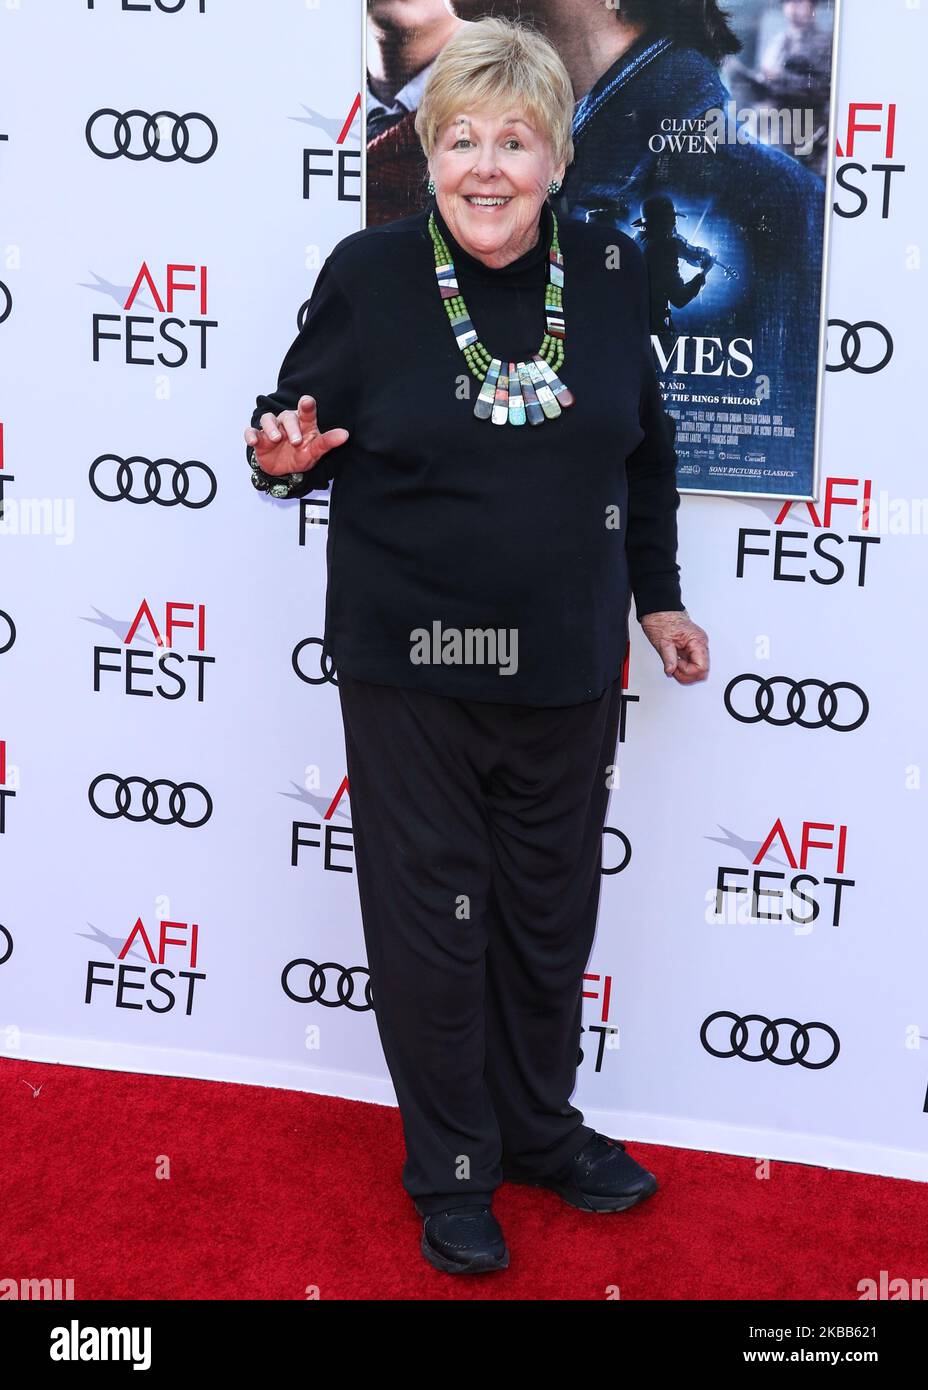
x=343 y=983
x=153 y=480
x=855 y=703
x=878 y=339
x=177 y=804
x=6 y=302
x=800 y=1040
x=6 y=622
x=6 y=945
x=110 y=133
x=326 y=666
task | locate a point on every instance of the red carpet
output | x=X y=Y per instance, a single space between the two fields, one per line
x=273 y=1191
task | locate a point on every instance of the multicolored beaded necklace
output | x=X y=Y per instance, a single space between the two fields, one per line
x=511 y=392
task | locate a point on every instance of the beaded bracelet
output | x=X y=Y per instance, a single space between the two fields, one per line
x=267 y=482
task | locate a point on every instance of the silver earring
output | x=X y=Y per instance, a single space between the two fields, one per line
x=554 y=187
x=431 y=186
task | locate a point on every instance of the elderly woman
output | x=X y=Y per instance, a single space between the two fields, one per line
x=484 y=401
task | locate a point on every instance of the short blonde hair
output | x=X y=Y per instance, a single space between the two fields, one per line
x=496 y=63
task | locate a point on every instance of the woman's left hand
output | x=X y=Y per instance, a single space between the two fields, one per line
x=682 y=644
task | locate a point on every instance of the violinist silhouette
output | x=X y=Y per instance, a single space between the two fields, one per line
x=664 y=248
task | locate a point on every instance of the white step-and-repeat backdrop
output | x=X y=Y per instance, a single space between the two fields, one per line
x=176 y=871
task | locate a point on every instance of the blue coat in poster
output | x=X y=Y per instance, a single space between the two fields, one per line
x=733 y=233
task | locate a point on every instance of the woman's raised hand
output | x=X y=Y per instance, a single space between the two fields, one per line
x=291 y=442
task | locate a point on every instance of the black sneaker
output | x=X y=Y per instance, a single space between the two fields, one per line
x=603 y=1176
x=464 y=1240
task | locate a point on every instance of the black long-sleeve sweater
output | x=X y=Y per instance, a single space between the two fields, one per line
x=442 y=523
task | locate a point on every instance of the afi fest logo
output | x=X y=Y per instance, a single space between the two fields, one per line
x=5 y=790
x=133 y=667
x=157 y=986
x=817 y=553
x=599 y=987
x=180 y=335
x=313 y=512
x=776 y=895
x=158 y=6
x=338 y=168
x=335 y=841
x=868 y=165
x=625 y=699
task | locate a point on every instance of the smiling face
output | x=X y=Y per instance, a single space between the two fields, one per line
x=491 y=177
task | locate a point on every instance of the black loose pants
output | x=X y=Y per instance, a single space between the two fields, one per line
x=478 y=850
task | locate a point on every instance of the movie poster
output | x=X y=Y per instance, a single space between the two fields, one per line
x=707 y=139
